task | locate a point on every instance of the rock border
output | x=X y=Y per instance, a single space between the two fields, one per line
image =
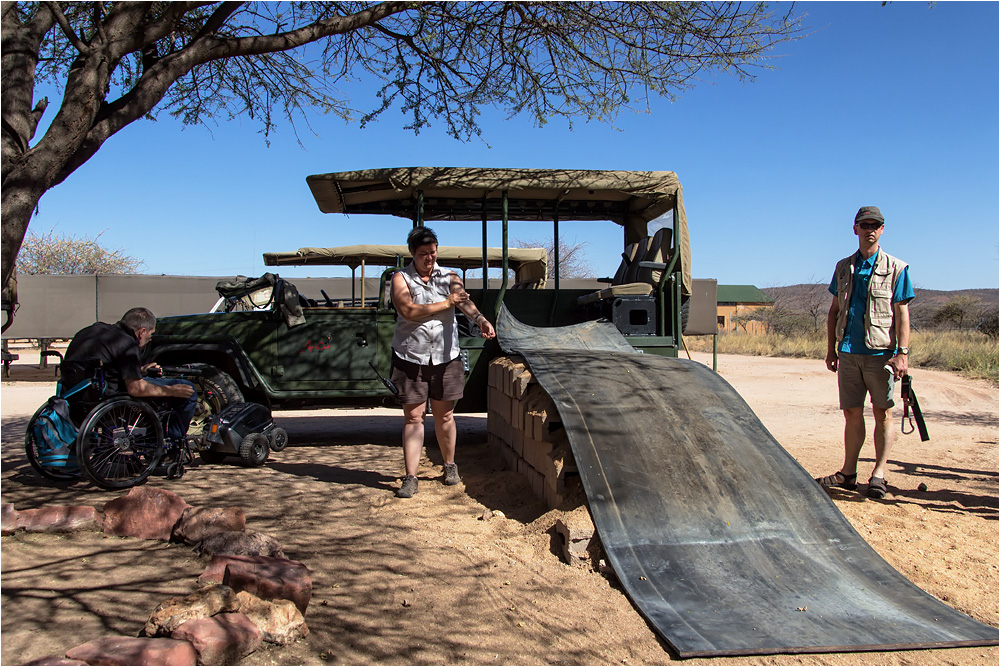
x=248 y=594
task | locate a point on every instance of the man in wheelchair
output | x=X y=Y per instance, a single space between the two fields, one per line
x=116 y=349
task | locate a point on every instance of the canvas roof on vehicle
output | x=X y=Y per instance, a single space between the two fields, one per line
x=629 y=198
x=528 y=264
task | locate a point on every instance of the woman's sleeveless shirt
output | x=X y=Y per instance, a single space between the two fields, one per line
x=433 y=340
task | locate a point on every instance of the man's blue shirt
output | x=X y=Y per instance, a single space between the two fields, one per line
x=854 y=338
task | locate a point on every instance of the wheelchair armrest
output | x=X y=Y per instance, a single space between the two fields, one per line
x=653 y=265
x=606 y=280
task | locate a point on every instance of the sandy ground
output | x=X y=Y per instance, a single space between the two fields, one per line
x=427 y=581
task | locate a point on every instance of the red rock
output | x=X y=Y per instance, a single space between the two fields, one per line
x=267 y=578
x=278 y=581
x=197 y=523
x=60 y=519
x=55 y=660
x=113 y=650
x=144 y=512
x=8 y=524
x=223 y=639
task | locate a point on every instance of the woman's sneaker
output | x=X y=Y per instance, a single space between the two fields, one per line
x=408 y=488
x=451 y=477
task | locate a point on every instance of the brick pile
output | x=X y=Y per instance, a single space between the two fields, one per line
x=525 y=427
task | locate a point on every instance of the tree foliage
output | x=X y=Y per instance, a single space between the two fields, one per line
x=53 y=253
x=573 y=260
x=990 y=325
x=962 y=312
x=118 y=62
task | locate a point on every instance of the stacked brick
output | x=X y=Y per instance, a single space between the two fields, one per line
x=525 y=427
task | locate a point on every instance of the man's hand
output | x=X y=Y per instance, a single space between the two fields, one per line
x=831 y=360
x=182 y=390
x=900 y=364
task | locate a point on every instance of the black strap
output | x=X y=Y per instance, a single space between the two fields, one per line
x=910 y=402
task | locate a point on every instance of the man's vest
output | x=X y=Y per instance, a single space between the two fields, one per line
x=879 y=332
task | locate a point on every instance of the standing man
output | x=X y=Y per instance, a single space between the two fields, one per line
x=868 y=339
x=118 y=346
x=425 y=349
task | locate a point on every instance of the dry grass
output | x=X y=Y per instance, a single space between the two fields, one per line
x=969 y=353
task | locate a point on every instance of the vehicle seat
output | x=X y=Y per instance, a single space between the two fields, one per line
x=631 y=279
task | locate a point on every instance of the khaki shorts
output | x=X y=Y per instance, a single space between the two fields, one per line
x=860 y=374
x=417 y=383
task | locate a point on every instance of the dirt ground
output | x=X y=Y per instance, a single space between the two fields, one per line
x=428 y=581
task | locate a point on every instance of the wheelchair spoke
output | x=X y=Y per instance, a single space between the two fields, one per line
x=121 y=445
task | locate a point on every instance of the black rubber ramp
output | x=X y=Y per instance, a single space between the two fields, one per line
x=721 y=539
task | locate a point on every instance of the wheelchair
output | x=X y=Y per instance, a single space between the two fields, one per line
x=119 y=440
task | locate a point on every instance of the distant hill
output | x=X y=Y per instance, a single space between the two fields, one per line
x=807 y=297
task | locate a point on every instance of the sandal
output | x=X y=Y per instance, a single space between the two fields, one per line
x=839 y=479
x=877 y=488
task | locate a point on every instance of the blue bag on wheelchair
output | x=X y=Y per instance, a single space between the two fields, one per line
x=55 y=435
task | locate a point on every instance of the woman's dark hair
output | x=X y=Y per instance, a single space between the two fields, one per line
x=419 y=236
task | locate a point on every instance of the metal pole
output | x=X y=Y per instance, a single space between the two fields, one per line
x=506 y=254
x=715 y=352
x=419 y=221
x=486 y=266
x=555 y=247
x=362 y=304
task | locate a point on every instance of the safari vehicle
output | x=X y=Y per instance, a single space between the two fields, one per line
x=288 y=350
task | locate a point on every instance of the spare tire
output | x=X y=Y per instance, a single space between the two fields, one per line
x=216 y=390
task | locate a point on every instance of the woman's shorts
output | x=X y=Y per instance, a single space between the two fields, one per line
x=860 y=374
x=417 y=383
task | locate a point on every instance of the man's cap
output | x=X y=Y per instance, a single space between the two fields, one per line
x=869 y=213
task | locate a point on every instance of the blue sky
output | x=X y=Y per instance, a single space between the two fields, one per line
x=895 y=106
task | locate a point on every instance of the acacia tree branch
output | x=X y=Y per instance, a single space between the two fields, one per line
x=67 y=29
x=166 y=23
x=98 y=22
x=20 y=46
x=157 y=80
x=218 y=19
x=245 y=46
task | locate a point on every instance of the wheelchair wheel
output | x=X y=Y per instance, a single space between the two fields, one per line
x=120 y=443
x=65 y=471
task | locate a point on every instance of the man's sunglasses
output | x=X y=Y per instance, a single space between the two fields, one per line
x=870 y=226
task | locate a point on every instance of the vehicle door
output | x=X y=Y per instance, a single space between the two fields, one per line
x=332 y=350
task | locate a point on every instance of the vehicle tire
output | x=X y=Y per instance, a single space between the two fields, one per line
x=254 y=450
x=210 y=457
x=278 y=439
x=120 y=443
x=216 y=390
x=59 y=474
